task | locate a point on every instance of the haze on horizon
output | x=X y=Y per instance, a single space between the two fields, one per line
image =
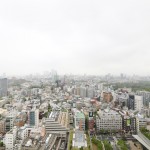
x=74 y=36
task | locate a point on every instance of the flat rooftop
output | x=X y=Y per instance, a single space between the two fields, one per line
x=80 y=115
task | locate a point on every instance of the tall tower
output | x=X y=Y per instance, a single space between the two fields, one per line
x=3 y=87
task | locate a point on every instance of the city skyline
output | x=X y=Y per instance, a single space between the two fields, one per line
x=78 y=37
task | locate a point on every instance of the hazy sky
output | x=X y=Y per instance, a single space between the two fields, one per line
x=75 y=36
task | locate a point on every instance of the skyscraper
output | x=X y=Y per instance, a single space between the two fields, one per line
x=3 y=87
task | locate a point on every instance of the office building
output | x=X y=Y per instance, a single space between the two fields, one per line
x=109 y=120
x=33 y=117
x=130 y=102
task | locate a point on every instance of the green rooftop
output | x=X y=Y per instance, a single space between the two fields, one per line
x=80 y=115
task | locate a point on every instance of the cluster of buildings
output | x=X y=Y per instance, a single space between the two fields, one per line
x=38 y=113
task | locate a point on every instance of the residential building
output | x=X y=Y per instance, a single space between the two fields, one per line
x=79 y=121
x=57 y=123
x=129 y=124
x=107 y=97
x=10 y=139
x=138 y=103
x=2 y=125
x=140 y=122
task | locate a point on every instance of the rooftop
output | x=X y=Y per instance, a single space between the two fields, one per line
x=80 y=115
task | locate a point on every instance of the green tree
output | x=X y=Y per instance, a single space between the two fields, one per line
x=1 y=144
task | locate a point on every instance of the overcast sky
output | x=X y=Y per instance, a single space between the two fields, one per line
x=75 y=36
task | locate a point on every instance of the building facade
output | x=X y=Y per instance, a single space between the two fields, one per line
x=108 y=120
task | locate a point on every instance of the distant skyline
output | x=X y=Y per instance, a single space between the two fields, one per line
x=78 y=37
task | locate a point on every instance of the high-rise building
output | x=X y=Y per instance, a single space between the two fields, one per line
x=135 y=102
x=9 y=123
x=33 y=117
x=138 y=103
x=3 y=87
x=90 y=92
x=146 y=97
x=83 y=92
x=130 y=102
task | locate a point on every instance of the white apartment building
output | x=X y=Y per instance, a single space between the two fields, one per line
x=138 y=102
x=10 y=139
x=24 y=132
x=108 y=120
x=140 y=122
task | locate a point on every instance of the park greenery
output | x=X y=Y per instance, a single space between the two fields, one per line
x=107 y=145
x=97 y=143
x=122 y=145
x=138 y=86
x=145 y=132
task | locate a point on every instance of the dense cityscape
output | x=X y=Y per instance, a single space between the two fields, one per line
x=71 y=112
x=74 y=75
